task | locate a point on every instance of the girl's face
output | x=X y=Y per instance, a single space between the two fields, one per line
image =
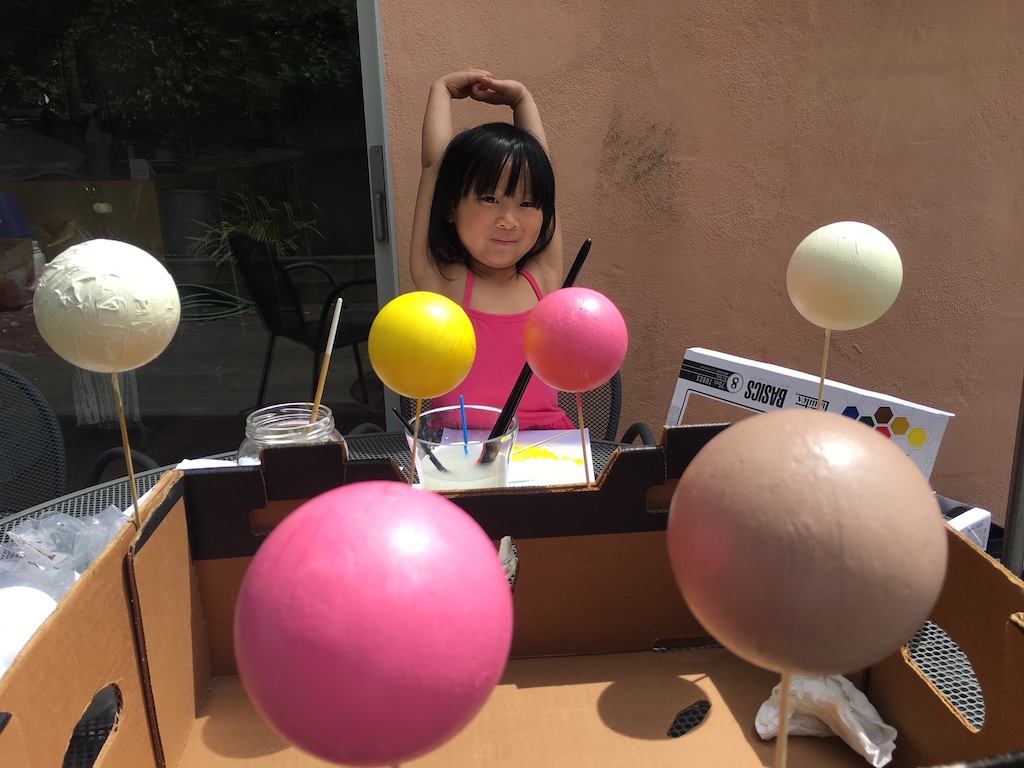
x=498 y=230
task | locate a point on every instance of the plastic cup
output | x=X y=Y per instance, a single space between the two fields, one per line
x=446 y=462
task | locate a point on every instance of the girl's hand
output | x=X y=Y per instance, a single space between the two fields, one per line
x=461 y=84
x=491 y=91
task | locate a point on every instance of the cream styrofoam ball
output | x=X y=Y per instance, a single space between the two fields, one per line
x=106 y=306
x=844 y=275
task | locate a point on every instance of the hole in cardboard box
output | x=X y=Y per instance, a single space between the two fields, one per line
x=93 y=729
x=509 y=560
x=689 y=718
x=642 y=706
x=940 y=659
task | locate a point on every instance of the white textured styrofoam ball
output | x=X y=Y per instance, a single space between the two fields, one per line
x=844 y=275
x=106 y=306
x=22 y=611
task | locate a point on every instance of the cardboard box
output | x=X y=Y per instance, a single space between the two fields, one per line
x=761 y=387
x=86 y=644
x=585 y=686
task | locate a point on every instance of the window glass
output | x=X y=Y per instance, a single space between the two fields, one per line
x=169 y=125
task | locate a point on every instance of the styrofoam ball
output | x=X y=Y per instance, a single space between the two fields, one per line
x=805 y=542
x=575 y=339
x=22 y=611
x=373 y=624
x=422 y=344
x=844 y=275
x=106 y=306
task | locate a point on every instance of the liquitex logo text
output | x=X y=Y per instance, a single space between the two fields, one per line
x=811 y=403
x=768 y=394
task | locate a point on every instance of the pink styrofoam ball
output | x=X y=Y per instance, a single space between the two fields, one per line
x=373 y=624
x=575 y=339
x=806 y=542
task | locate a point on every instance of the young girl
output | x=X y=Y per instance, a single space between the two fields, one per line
x=485 y=235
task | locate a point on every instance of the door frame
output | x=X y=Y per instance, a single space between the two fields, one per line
x=385 y=252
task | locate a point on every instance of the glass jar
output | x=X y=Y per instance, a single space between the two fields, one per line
x=285 y=424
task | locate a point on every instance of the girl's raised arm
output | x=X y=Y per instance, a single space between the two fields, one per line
x=437 y=133
x=547 y=266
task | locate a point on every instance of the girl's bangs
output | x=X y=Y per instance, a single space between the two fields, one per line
x=482 y=177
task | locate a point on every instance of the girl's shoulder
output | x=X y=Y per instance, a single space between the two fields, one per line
x=450 y=283
x=546 y=280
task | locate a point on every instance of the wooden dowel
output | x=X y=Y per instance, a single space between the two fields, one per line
x=127 y=451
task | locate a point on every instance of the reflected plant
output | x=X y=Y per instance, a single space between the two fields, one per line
x=177 y=59
x=276 y=225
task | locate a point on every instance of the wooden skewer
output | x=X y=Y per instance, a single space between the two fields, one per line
x=326 y=363
x=782 y=739
x=127 y=452
x=583 y=439
x=415 y=440
x=824 y=362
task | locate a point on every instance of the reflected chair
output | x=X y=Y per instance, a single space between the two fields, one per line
x=33 y=460
x=281 y=311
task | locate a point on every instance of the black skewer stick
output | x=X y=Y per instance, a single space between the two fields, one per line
x=430 y=452
x=515 y=397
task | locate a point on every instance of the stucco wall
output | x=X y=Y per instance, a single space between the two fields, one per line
x=698 y=141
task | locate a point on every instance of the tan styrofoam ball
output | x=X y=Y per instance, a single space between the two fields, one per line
x=844 y=275
x=805 y=542
x=106 y=306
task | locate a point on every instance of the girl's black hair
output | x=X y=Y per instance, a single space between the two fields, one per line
x=472 y=165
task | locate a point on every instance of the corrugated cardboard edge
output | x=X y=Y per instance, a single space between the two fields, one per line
x=168 y=620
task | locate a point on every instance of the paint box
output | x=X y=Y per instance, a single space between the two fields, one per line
x=761 y=387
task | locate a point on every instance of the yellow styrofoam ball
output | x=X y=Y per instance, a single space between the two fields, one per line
x=844 y=275
x=106 y=306
x=422 y=344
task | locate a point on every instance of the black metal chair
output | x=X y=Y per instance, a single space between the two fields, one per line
x=281 y=311
x=33 y=460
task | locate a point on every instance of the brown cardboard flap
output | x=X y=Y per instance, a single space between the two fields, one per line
x=87 y=643
x=13 y=752
x=593 y=711
x=683 y=443
x=221 y=502
x=170 y=620
x=230 y=498
x=615 y=504
x=615 y=593
x=975 y=608
x=219 y=584
x=598 y=594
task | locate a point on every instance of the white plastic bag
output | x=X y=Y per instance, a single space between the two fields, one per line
x=823 y=706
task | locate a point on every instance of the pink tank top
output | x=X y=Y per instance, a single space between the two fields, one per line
x=499 y=360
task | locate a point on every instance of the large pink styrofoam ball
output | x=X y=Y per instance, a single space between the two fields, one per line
x=575 y=339
x=806 y=542
x=373 y=624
